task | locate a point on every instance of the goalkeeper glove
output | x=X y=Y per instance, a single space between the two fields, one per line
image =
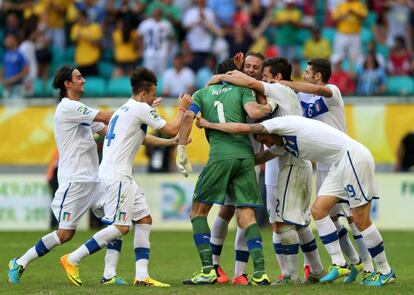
x=182 y=161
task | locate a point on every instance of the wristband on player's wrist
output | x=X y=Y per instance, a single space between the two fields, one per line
x=182 y=109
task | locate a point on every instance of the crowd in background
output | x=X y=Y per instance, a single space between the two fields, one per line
x=370 y=43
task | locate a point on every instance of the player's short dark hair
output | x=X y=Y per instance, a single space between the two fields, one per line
x=323 y=66
x=142 y=79
x=225 y=66
x=255 y=54
x=279 y=65
x=62 y=75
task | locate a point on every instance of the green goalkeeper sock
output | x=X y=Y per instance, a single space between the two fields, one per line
x=201 y=235
x=254 y=243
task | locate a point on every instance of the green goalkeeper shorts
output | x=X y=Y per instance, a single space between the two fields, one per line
x=235 y=178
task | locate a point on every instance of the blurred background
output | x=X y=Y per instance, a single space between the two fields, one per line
x=182 y=41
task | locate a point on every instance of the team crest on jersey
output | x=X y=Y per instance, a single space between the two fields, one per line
x=291 y=145
x=66 y=216
x=154 y=114
x=122 y=216
x=83 y=110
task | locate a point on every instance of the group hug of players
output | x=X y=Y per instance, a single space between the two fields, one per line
x=295 y=122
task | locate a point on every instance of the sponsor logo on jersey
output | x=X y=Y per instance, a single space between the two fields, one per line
x=221 y=91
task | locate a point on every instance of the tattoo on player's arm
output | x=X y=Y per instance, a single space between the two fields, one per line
x=257 y=128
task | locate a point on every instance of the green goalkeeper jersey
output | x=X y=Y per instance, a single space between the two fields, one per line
x=221 y=103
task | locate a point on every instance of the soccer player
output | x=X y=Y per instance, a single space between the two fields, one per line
x=351 y=178
x=322 y=101
x=74 y=125
x=288 y=202
x=125 y=203
x=252 y=65
x=229 y=171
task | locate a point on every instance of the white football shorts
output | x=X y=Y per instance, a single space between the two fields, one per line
x=72 y=200
x=353 y=178
x=124 y=202
x=289 y=201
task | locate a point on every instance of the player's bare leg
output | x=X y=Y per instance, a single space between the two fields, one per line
x=329 y=236
x=375 y=244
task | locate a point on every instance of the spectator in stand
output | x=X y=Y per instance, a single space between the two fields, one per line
x=370 y=77
x=224 y=11
x=287 y=21
x=348 y=17
x=343 y=79
x=405 y=154
x=296 y=70
x=27 y=48
x=94 y=9
x=371 y=48
x=178 y=79
x=42 y=44
x=204 y=74
x=200 y=23
x=188 y=55
x=87 y=37
x=380 y=29
x=317 y=47
x=399 y=62
x=397 y=16
x=157 y=36
x=171 y=13
x=239 y=40
x=131 y=10
x=12 y=24
x=55 y=14
x=126 y=48
x=13 y=71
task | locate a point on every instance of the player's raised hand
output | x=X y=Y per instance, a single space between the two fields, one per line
x=182 y=162
x=157 y=102
x=201 y=122
x=238 y=60
x=184 y=100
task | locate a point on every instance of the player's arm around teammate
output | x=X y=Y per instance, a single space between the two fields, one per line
x=308 y=88
x=254 y=110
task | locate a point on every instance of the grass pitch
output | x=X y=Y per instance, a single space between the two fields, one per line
x=174 y=258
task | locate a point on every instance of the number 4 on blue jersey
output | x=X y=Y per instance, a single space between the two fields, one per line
x=110 y=135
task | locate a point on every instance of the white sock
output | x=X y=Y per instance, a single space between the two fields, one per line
x=43 y=246
x=113 y=252
x=363 y=251
x=218 y=235
x=346 y=244
x=310 y=250
x=279 y=252
x=242 y=253
x=375 y=245
x=97 y=242
x=329 y=236
x=142 y=250
x=290 y=241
